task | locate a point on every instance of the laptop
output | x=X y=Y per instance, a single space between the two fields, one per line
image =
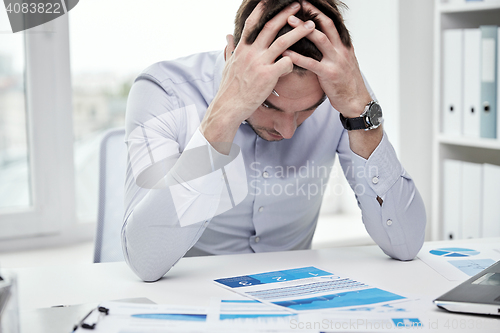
x=480 y=294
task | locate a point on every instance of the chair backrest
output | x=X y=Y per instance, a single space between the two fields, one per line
x=112 y=171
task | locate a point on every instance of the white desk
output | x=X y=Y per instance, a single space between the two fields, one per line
x=190 y=281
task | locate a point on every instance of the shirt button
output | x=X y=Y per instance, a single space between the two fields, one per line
x=257 y=239
x=375 y=180
x=261 y=209
x=265 y=174
x=389 y=222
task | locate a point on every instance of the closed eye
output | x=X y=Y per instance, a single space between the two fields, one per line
x=269 y=105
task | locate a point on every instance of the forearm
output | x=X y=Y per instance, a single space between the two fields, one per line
x=363 y=143
x=220 y=124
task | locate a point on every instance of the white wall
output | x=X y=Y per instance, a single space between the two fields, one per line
x=416 y=22
x=374 y=27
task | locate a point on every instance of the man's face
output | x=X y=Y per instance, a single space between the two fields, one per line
x=299 y=96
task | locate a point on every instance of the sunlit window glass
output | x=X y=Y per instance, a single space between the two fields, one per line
x=14 y=166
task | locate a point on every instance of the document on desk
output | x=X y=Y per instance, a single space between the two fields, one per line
x=306 y=289
x=133 y=317
x=245 y=313
x=162 y=318
x=460 y=260
x=243 y=310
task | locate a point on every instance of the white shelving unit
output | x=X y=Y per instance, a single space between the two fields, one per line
x=456 y=14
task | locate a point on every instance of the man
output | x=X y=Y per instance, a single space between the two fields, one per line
x=230 y=152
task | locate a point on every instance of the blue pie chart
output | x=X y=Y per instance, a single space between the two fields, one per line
x=454 y=252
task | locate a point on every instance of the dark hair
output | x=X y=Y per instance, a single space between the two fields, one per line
x=272 y=7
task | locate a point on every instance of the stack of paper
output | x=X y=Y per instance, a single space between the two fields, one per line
x=306 y=299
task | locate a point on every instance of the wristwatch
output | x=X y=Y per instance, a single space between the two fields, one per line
x=371 y=118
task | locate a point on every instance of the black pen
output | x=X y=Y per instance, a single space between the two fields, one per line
x=90 y=320
x=81 y=321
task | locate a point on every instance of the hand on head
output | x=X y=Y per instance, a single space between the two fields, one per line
x=251 y=70
x=255 y=65
x=338 y=71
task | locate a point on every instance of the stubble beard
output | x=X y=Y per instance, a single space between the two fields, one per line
x=258 y=131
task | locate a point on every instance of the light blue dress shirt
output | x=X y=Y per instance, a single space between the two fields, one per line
x=274 y=208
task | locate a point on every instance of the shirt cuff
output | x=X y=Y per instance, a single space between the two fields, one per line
x=381 y=170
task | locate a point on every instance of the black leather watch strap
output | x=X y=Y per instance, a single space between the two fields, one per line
x=352 y=123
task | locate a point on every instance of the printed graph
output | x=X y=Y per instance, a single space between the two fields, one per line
x=171 y=316
x=378 y=309
x=350 y=298
x=472 y=267
x=454 y=252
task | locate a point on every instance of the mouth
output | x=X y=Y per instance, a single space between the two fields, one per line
x=274 y=136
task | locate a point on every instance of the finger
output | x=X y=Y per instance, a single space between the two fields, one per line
x=305 y=62
x=273 y=26
x=229 y=47
x=284 y=66
x=252 y=20
x=319 y=39
x=288 y=39
x=325 y=23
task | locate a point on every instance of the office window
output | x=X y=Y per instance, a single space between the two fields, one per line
x=14 y=152
x=111 y=42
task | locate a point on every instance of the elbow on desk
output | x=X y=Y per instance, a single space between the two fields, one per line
x=149 y=268
x=149 y=278
x=403 y=256
x=407 y=251
x=148 y=273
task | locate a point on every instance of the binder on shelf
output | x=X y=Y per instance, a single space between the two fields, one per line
x=472 y=83
x=452 y=81
x=491 y=200
x=471 y=203
x=489 y=37
x=452 y=184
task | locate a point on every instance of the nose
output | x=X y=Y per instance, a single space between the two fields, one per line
x=286 y=124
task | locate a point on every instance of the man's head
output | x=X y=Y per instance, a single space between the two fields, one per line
x=272 y=7
x=300 y=92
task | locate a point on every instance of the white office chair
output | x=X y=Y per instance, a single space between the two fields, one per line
x=112 y=171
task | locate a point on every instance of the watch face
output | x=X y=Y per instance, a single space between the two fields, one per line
x=375 y=114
